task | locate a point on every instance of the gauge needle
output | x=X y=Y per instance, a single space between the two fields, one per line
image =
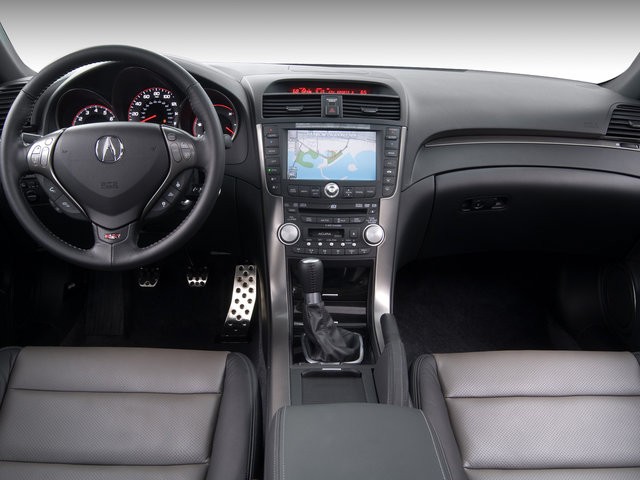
x=229 y=130
x=149 y=118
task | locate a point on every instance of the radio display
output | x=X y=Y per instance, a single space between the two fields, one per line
x=331 y=155
x=308 y=90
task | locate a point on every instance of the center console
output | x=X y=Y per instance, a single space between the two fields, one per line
x=331 y=162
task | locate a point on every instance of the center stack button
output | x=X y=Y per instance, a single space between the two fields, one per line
x=331 y=190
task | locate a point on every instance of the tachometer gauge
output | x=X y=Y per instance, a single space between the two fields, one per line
x=226 y=113
x=154 y=105
x=93 y=114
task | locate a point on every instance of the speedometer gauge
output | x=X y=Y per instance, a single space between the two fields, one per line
x=93 y=114
x=154 y=105
x=226 y=113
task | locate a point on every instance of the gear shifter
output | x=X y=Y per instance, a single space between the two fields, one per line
x=324 y=341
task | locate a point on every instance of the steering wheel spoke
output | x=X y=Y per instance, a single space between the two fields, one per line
x=183 y=150
x=39 y=154
x=109 y=244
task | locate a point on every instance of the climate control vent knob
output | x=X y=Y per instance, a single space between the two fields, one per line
x=373 y=234
x=288 y=233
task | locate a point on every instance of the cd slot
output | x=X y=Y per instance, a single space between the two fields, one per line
x=323 y=211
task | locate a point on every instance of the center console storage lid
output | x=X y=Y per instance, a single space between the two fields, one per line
x=349 y=441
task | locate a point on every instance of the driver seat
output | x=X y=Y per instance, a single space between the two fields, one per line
x=126 y=414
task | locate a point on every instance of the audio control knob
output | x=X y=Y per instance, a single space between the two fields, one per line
x=331 y=190
x=373 y=234
x=288 y=233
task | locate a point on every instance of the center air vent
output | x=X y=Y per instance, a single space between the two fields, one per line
x=625 y=123
x=286 y=105
x=371 y=106
x=8 y=93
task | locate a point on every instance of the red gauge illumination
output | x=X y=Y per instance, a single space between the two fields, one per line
x=93 y=114
x=154 y=105
x=226 y=113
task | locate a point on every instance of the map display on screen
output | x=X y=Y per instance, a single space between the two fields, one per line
x=331 y=155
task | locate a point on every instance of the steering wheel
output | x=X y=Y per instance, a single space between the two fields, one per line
x=113 y=173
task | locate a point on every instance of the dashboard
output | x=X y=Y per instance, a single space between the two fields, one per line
x=441 y=142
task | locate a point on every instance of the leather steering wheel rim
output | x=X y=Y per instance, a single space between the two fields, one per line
x=117 y=248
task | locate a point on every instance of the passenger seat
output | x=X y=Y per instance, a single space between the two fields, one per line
x=533 y=415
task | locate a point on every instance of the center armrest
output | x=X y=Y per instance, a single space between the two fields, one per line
x=349 y=441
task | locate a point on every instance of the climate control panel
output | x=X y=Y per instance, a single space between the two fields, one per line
x=331 y=229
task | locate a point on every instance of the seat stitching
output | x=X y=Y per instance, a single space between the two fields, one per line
x=104 y=464
x=390 y=376
x=282 y=434
x=45 y=390
x=403 y=355
x=414 y=380
x=275 y=446
x=437 y=450
x=554 y=468
x=586 y=395
x=252 y=426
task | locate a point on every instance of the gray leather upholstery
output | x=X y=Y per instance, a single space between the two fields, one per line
x=125 y=413
x=533 y=415
x=350 y=441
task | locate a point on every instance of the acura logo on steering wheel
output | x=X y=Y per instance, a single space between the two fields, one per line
x=109 y=149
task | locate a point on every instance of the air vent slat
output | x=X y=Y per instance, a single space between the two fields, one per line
x=286 y=105
x=8 y=94
x=371 y=106
x=625 y=123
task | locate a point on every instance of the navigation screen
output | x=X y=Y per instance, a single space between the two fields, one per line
x=331 y=155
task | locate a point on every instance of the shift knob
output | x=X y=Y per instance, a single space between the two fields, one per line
x=310 y=274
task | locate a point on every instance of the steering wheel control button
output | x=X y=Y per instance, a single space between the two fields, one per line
x=188 y=152
x=35 y=155
x=289 y=233
x=180 y=182
x=373 y=235
x=331 y=190
x=175 y=152
x=44 y=158
x=161 y=206
x=66 y=206
x=50 y=188
x=171 y=195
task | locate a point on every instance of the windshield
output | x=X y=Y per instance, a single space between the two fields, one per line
x=581 y=41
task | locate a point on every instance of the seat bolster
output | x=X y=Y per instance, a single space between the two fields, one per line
x=427 y=395
x=390 y=372
x=8 y=357
x=238 y=430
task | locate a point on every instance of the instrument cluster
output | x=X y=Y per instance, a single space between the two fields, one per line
x=138 y=95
